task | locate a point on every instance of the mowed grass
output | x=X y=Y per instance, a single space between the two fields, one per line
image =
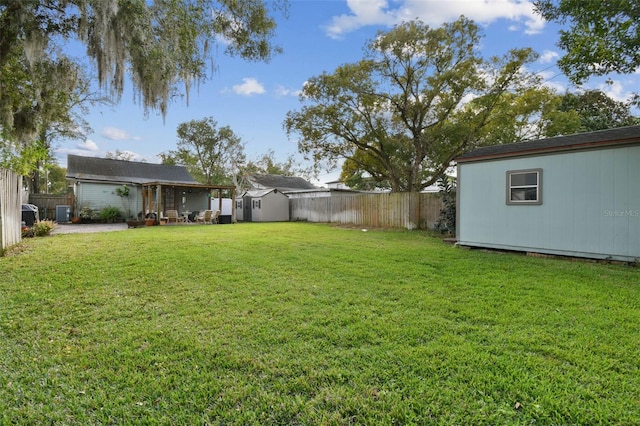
x=295 y=323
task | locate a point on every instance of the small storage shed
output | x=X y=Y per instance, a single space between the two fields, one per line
x=576 y=195
x=263 y=205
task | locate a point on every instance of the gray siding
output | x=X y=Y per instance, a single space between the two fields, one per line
x=273 y=207
x=590 y=205
x=99 y=195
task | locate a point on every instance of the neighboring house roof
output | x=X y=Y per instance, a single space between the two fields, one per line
x=109 y=170
x=282 y=183
x=598 y=139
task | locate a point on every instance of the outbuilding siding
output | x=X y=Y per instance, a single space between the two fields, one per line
x=590 y=204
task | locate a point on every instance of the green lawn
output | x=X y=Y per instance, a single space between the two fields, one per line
x=297 y=323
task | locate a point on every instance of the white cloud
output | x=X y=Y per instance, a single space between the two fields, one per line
x=250 y=86
x=549 y=56
x=115 y=134
x=434 y=13
x=87 y=145
x=615 y=90
x=282 y=91
x=364 y=12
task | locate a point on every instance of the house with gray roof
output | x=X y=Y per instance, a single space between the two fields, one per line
x=576 y=195
x=152 y=188
x=106 y=170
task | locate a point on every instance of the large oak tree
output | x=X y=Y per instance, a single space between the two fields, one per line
x=419 y=98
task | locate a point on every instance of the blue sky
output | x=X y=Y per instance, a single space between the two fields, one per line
x=318 y=36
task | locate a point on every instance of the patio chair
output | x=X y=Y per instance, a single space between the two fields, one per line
x=215 y=217
x=174 y=216
x=204 y=217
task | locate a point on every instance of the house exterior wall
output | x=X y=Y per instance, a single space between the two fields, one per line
x=590 y=204
x=99 y=195
x=191 y=201
x=309 y=194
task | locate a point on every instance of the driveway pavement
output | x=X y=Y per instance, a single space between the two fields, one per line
x=80 y=228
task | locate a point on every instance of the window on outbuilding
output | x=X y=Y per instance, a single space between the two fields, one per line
x=524 y=187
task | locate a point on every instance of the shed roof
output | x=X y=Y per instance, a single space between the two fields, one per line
x=282 y=183
x=257 y=193
x=578 y=141
x=109 y=170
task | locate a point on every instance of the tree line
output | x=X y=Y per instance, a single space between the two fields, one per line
x=396 y=119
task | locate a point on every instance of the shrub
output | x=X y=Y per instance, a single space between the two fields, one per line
x=43 y=228
x=87 y=214
x=447 y=221
x=110 y=214
x=27 y=232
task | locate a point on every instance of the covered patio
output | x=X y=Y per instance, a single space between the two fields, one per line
x=186 y=198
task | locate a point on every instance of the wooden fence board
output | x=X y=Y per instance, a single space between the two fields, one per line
x=385 y=210
x=10 y=209
x=47 y=204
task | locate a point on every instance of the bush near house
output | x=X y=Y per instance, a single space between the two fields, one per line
x=110 y=214
x=88 y=215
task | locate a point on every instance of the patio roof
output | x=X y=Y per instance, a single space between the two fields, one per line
x=148 y=189
x=188 y=185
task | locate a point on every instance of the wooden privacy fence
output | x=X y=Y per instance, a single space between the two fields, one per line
x=10 y=209
x=47 y=204
x=386 y=210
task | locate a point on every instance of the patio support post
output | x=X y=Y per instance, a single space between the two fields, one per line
x=144 y=201
x=159 y=207
x=233 y=205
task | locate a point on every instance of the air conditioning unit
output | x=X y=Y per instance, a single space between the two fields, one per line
x=63 y=214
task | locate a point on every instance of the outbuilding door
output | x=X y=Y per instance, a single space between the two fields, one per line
x=246 y=208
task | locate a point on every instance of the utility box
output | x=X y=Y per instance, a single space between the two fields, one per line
x=63 y=214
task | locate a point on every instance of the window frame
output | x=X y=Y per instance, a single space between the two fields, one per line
x=537 y=186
